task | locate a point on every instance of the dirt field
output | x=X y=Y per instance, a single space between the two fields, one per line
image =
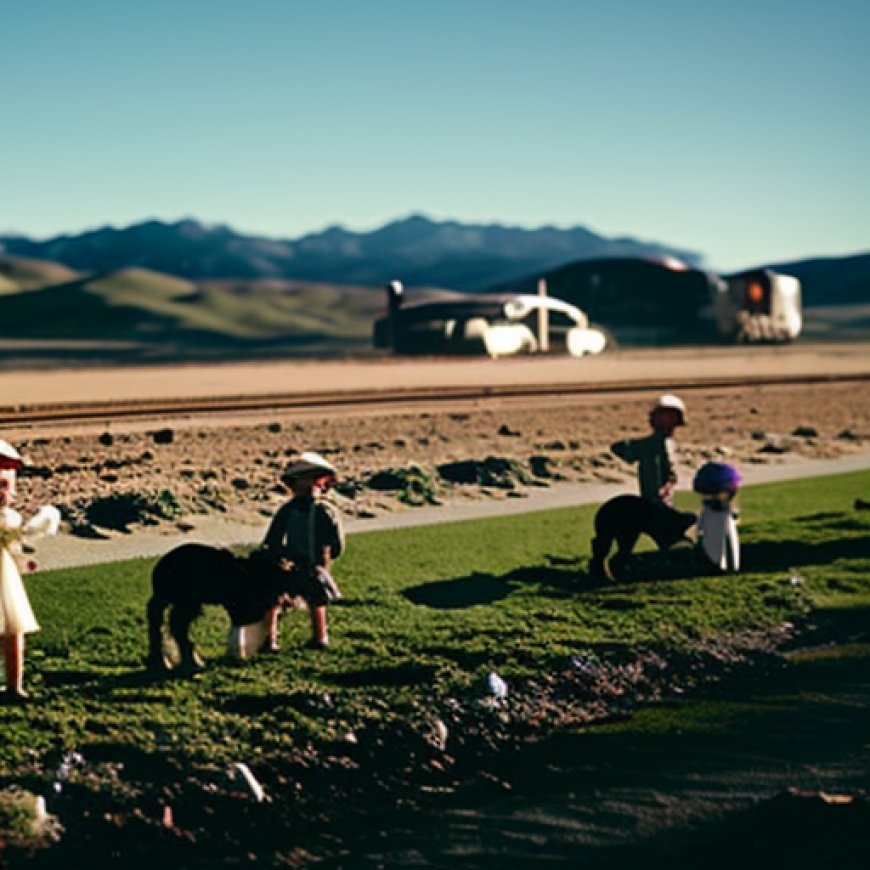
x=662 y=364
x=230 y=468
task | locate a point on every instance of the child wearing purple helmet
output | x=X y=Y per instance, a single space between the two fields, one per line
x=717 y=484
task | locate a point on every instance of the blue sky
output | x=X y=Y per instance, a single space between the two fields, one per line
x=737 y=129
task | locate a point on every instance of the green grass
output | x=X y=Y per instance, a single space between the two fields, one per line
x=428 y=613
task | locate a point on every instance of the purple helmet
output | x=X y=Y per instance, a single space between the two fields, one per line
x=716 y=477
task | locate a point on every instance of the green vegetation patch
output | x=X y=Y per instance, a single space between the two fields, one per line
x=452 y=641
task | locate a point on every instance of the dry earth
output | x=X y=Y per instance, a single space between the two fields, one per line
x=267 y=378
x=214 y=468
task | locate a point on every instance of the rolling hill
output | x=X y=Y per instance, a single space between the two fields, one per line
x=22 y=273
x=161 y=316
x=832 y=280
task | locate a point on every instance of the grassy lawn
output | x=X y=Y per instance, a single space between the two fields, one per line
x=428 y=614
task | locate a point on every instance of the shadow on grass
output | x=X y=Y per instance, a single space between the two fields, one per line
x=69 y=677
x=834 y=520
x=837 y=624
x=255 y=705
x=782 y=555
x=683 y=563
x=461 y=592
x=409 y=674
x=138 y=763
x=560 y=577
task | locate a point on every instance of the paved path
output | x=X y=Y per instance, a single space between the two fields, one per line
x=66 y=551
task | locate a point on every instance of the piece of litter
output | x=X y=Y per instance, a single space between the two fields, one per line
x=250 y=780
x=496 y=686
x=440 y=731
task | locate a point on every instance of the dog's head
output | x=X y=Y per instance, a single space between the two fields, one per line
x=262 y=582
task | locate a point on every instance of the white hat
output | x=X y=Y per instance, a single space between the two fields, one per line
x=308 y=464
x=670 y=401
x=9 y=456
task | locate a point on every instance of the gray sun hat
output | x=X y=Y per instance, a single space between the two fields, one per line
x=308 y=464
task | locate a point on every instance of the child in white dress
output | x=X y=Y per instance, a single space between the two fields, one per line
x=16 y=615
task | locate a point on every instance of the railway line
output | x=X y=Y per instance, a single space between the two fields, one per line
x=388 y=399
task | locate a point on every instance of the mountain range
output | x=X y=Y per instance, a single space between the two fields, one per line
x=417 y=250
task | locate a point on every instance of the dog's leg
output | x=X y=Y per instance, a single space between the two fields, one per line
x=625 y=542
x=180 y=618
x=600 y=548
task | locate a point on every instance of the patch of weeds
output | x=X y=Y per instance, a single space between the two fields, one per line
x=118 y=510
x=496 y=471
x=412 y=485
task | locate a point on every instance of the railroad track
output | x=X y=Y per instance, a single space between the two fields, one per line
x=372 y=400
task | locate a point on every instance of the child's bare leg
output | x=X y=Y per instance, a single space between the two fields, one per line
x=319 y=628
x=13 y=651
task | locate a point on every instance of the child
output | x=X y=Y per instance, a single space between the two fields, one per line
x=307 y=533
x=16 y=615
x=719 y=543
x=654 y=453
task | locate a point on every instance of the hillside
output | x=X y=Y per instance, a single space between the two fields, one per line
x=167 y=316
x=832 y=280
x=23 y=273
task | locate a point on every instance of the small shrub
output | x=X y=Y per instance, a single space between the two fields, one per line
x=120 y=509
x=24 y=823
x=412 y=485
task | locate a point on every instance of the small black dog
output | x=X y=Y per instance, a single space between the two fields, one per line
x=624 y=519
x=192 y=575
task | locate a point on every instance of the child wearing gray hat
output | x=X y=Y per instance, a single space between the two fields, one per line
x=308 y=534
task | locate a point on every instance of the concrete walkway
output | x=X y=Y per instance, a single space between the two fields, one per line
x=65 y=551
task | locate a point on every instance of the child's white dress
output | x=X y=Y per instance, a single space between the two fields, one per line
x=718 y=536
x=16 y=615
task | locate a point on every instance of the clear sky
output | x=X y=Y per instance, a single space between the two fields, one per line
x=738 y=129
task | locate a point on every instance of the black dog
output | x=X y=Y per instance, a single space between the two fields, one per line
x=195 y=574
x=624 y=519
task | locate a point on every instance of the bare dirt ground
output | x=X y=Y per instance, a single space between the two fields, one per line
x=267 y=378
x=190 y=471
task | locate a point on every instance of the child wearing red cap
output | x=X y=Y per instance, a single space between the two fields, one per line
x=307 y=533
x=654 y=454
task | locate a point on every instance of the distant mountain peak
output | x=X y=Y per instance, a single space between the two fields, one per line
x=417 y=248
